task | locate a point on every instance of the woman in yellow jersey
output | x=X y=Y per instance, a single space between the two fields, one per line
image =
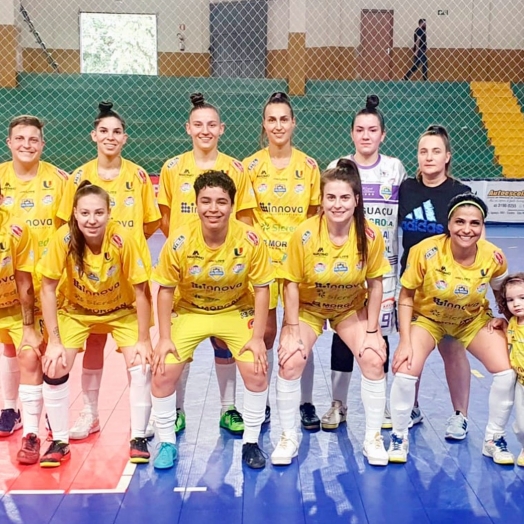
x=178 y=204
x=221 y=271
x=334 y=267
x=286 y=183
x=443 y=293
x=33 y=189
x=133 y=206
x=510 y=301
x=100 y=270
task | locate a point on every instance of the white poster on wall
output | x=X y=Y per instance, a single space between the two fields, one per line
x=504 y=198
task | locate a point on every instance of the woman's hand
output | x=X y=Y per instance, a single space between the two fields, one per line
x=31 y=338
x=497 y=323
x=143 y=350
x=164 y=347
x=54 y=356
x=290 y=343
x=259 y=350
x=404 y=353
x=376 y=343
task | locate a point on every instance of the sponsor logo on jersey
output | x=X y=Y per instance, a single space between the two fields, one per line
x=320 y=267
x=78 y=177
x=3 y=247
x=311 y=162
x=47 y=200
x=498 y=257
x=299 y=175
x=195 y=255
x=185 y=187
x=8 y=201
x=262 y=188
x=253 y=238
x=299 y=188
x=93 y=277
x=142 y=175
x=280 y=210
x=129 y=201
x=483 y=272
x=370 y=233
x=386 y=191
x=6 y=260
x=140 y=263
x=250 y=323
x=27 y=204
x=216 y=272
x=388 y=305
x=263 y=174
x=62 y=173
x=129 y=186
x=111 y=271
x=173 y=162
x=238 y=165
x=305 y=237
x=188 y=208
x=441 y=269
x=280 y=190
x=461 y=290
x=112 y=202
x=67 y=238
x=117 y=241
x=107 y=256
x=320 y=252
x=482 y=288
x=360 y=265
x=238 y=251
x=238 y=268
x=340 y=267
x=47 y=184
x=253 y=164
x=178 y=242
x=430 y=253
x=195 y=270
x=186 y=172
x=441 y=284
x=16 y=230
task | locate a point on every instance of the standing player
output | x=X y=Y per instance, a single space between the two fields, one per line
x=177 y=203
x=99 y=269
x=32 y=190
x=286 y=183
x=133 y=206
x=232 y=277
x=381 y=177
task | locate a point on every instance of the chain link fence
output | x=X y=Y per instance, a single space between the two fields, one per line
x=328 y=54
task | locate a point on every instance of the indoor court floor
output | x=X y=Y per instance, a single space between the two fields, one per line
x=443 y=482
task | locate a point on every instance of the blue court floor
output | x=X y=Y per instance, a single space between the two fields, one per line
x=330 y=482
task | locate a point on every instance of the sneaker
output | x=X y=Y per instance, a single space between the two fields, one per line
x=309 y=417
x=166 y=456
x=10 y=421
x=232 y=421
x=497 y=449
x=85 y=424
x=49 y=437
x=30 y=451
x=138 y=452
x=253 y=456
x=56 y=453
x=416 y=417
x=457 y=427
x=267 y=416
x=398 y=449
x=334 y=416
x=286 y=449
x=386 y=421
x=180 y=422
x=520 y=460
x=375 y=451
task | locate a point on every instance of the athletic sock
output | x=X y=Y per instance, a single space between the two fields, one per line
x=181 y=388
x=401 y=402
x=91 y=380
x=56 y=401
x=32 y=403
x=374 y=400
x=288 y=401
x=164 y=410
x=253 y=414
x=501 y=398
x=227 y=384
x=139 y=400
x=9 y=381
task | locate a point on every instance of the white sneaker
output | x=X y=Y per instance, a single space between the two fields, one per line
x=416 y=417
x=84 y=425
x=386 y=421
x=457 y=427
x=335 y=415
x=497 y=449
x=286 y=450
x=398 y=449
x=375 y=451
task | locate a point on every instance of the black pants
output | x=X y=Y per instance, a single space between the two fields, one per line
x=342 y=358
x=419 y=60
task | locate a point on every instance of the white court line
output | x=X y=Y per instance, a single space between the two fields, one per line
x=476 y=373
x=121 y=487
x=189 y=490
x=36 y=492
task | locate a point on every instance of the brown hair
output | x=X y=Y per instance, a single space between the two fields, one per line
x=216 y=179
x=26 y=120
x=276 y=98
x=105 y=110
x=372 y=102
x=198 y=102
x=515 y=278
x=77 y=244
x=347 y=171
x=441 y=131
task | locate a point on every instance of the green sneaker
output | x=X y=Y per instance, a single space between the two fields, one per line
x=180 y=423
x=232 y=421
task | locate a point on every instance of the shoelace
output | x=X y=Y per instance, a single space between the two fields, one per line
x=253 y=446
x=235 y=416
x=397 y=442
x=309 y=410
x=501 y=444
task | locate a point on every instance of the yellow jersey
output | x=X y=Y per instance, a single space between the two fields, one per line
x=447 y=292
x=515 y=335
x=214 y=280
x=178 y=175
x=34 y=201
x=132 y=195
x=331 y=278
x=108 y=279
x=283 y=197
x=16 y=254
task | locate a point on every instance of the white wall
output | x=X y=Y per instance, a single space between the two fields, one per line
x=469 y=23
x=7 y=12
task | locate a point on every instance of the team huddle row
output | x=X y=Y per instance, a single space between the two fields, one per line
x=239 y=236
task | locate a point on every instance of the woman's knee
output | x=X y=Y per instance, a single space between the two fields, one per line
x=371 y=365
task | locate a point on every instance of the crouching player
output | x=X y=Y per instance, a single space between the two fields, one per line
x=221 y=271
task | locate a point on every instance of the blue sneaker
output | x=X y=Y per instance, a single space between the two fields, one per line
x=10 y=421
x=166 y=456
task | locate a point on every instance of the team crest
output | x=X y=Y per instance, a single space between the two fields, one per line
x=299 y=175
x=461 y=290
x=238 y=251
x=340 y=267
x=280 y=190
x=386 y=191
x=47 y=184
x=27 y=204
x=216 y=272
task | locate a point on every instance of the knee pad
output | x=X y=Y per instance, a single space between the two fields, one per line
x=56 y=381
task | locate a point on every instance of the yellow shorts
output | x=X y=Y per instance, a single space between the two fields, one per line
x=76 y=326
x=464 y=333
x=188 y=329
x=276 y=289
x=11 y=325
x=316 y=321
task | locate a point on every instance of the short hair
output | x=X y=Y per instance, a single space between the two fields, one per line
x=26 y=120
x=105 y=110
x=214 y=178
